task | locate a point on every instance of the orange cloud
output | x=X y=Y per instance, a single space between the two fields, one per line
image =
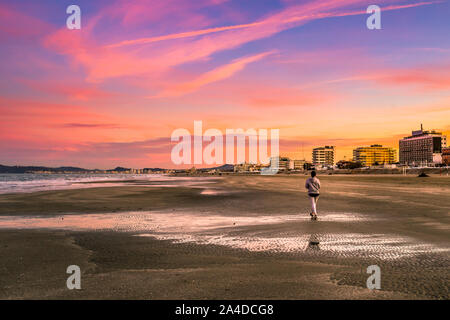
x=427 y=78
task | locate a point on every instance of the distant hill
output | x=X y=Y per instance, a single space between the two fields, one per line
x=26 y=169
x=223 y=168
x=226 y=167
x=119 y=169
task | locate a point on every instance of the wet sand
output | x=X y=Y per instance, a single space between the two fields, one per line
x=236 y=237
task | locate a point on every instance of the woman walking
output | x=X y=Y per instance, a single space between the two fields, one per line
x=313 y=186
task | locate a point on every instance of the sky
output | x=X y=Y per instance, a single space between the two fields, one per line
x=113 y=92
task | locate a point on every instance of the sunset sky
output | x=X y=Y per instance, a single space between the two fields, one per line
x=112 y=93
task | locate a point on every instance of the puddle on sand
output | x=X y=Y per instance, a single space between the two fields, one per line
x=214 y=192
x=206 y=228
x=380 y=246
x=166 y=221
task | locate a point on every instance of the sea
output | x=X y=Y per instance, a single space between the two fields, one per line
x=31 y=182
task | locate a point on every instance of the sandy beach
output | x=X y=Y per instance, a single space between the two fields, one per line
x=232 y=237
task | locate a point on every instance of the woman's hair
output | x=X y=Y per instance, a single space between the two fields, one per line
x=313 y=173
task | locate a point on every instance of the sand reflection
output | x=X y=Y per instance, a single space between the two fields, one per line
x=236 y=232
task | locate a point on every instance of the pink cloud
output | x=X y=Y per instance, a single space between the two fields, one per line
x=16 y=25
x=42 y=121
x=89 y=154
x=182 y=35
x=67 y=88
x=220 y=73
x=175 y=12
x=118 y=60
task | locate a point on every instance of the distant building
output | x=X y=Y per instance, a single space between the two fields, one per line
x=343 y=164
x=375 y=154
x=192 y=170
x=297 y=164
x=241 y=167
x=446 y=156
x=283 y=163
x=308 y=166
x=247 y=167
x=323 y=156
x=422 y=147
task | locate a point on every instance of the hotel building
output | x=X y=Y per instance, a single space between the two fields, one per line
x=375 y=154
x=422 y=148
x=323 y=156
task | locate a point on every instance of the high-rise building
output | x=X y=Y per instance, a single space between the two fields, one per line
x=323 y=156
x=375 y=154
x=422 y=147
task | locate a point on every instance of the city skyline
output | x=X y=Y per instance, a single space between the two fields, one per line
x=111 y=93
